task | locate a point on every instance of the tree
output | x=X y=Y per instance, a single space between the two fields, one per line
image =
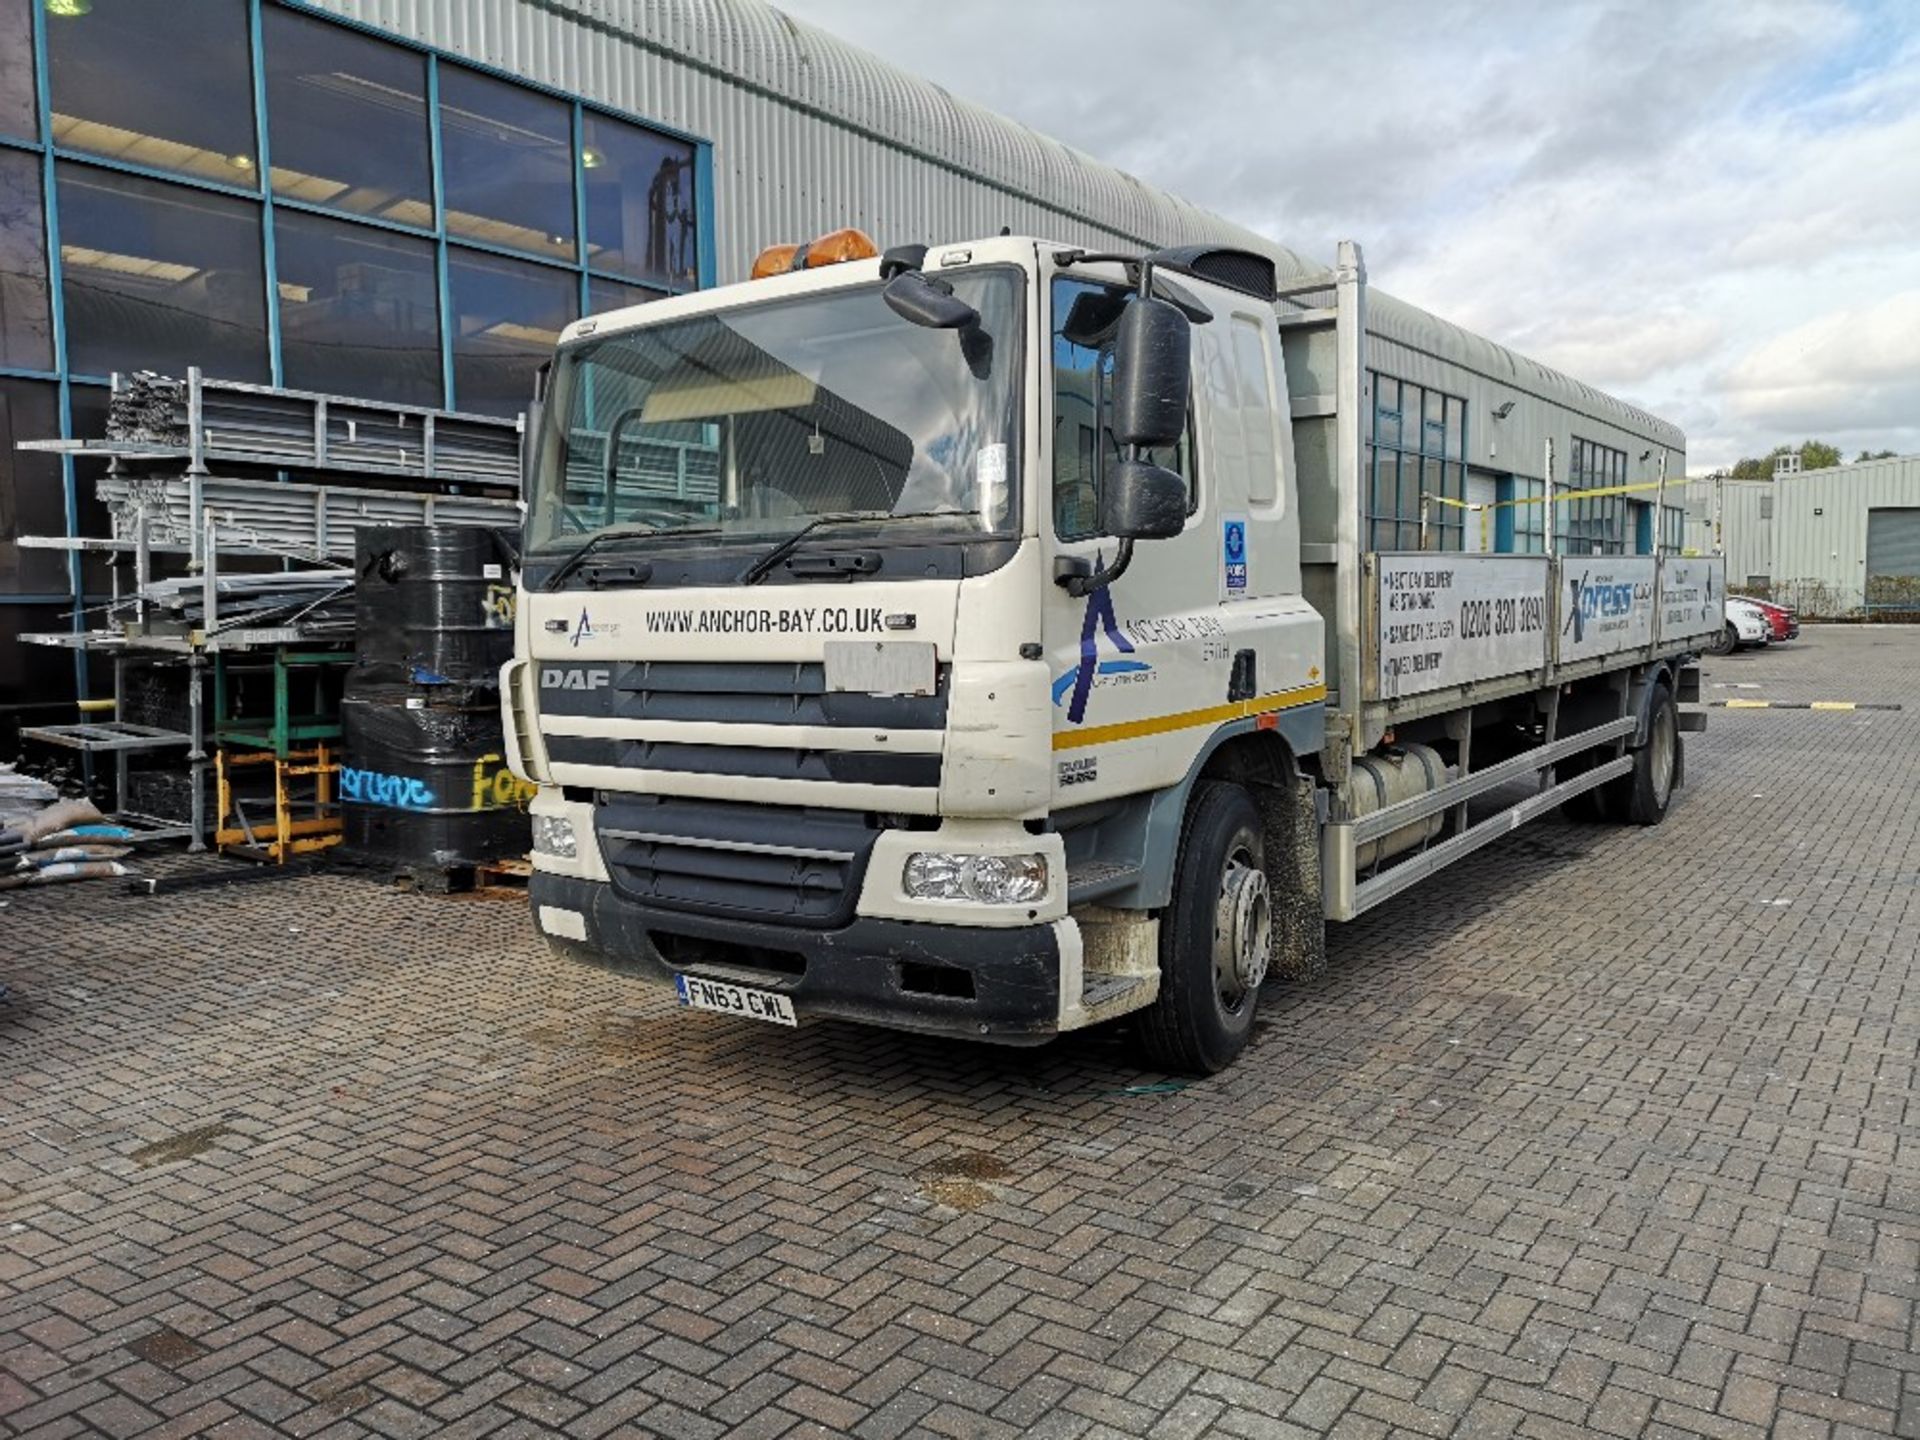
x=1873 y=455
x=1818 y=455
x=1814 y=455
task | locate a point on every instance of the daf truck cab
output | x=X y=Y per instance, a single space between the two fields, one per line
x=982 y=640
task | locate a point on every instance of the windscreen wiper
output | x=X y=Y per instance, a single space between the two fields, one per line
x=593 y=542
x=760 y=568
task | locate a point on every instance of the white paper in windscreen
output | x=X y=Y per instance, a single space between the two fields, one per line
x=990 y=485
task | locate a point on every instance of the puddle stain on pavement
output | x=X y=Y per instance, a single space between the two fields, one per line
x=168 y=1348
x=340 y=1397
x=622 y=1039
x=183 y=1146
x=954 y=1180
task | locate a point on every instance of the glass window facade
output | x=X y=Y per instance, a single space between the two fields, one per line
x=1594 y=524
x=32 y=502
x=640 y=202
x=616 y=295
x=507 y=155
x=160 y=276
x=507 y=317
x=160 y=118
x=1520 y=527
x=1673 y=530
x=271 y=194
x=359 y=310
x=18 y=114
x=165 y=87
x=1415 y=452
x=26 y=312
x=32 y=498
x=346 y=119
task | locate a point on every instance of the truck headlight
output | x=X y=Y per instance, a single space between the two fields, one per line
x=553 y=835
x=988 y=879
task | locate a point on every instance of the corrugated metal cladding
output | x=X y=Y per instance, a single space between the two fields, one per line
x=1824 y=556
x=810 y=133
x=1746 y=521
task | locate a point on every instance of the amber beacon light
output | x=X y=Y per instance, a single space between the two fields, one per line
x=833 y=248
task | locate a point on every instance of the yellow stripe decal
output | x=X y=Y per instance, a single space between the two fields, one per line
x=1833 y=704
x=1749 y=704
x=1187 y=719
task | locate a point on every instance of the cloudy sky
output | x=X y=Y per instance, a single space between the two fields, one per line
x=1711 y=209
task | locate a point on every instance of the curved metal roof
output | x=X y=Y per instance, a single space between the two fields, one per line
x=761 y=47
x=1419 y=330
x=808 y=67
x=806 y=129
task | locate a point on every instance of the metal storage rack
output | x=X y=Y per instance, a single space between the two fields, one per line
x=362 y=463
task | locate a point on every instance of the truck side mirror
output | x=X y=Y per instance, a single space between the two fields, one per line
x=928 y=302
x=931 y=303
x=1142 y=501
x=1151 y=356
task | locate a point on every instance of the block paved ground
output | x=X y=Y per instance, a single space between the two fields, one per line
x=1607 y=1133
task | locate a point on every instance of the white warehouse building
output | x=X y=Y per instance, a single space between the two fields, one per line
x=407 y=200
x=1838 y=542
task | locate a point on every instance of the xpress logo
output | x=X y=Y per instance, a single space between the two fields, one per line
x=1602 y=600
x=1079 y=680
x=574 y=679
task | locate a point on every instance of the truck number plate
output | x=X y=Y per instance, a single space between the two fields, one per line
x=725 y=999
x=879 y=667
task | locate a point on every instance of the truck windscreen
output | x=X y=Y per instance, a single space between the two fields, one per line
x=746 y=424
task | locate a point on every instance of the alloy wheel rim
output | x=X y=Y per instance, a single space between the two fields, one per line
x=1242 y=932
x=1663 y=752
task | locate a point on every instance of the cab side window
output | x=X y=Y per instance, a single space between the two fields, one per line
x=1086 y=316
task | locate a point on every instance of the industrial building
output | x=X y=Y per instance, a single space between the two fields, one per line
x=407 y=199
x=1838 y=542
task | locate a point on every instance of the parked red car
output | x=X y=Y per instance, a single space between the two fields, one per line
x=1783 y=622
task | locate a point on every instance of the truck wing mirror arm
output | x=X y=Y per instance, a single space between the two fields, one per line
x=1079 y=578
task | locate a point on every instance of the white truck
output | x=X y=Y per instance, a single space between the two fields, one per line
x=998 y=639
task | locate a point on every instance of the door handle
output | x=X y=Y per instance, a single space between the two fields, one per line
x=1240 y=681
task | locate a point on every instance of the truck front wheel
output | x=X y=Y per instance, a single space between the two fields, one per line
x=1216 y=938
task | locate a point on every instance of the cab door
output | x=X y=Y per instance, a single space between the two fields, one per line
x=1273 y=635
x=1128 y=662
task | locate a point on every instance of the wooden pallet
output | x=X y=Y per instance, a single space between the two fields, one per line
x=503 y=875
x=497 y=877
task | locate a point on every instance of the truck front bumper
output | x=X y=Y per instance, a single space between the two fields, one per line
x=999 y=984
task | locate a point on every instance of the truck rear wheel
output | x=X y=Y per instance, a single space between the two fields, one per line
x=1641 y=796
x=1216 y=938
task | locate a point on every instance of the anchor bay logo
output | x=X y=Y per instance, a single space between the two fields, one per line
x=1099 y=621
x=586 y=630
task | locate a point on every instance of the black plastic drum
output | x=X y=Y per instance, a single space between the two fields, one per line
x=433 y=604
x=423 y=780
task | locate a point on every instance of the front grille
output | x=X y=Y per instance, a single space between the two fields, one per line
x=746 y=693
x=710 y=857
x=758 y=762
